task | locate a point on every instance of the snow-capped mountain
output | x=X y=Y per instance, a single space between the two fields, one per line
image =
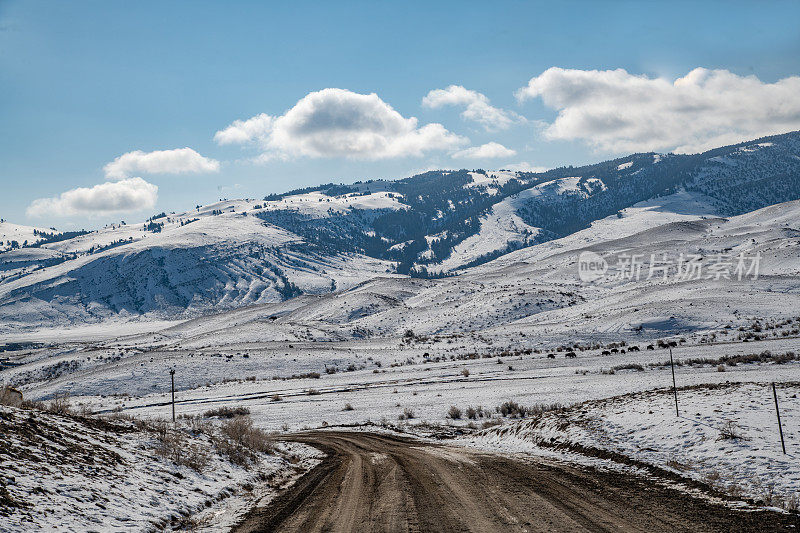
x=446 y=220
x=334 y=237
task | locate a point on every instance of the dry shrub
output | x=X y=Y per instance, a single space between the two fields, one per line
x=491 y=423
x=630 y=366
x=473 y=413
x=734 y=489
x=730 y=430
x=769 y=497
x=792 y=503
x=174 y=445
x=408 y=414
x=514 y=410
x=241 y=442
x=60 y=405
x=454 y=413
x=227 y=412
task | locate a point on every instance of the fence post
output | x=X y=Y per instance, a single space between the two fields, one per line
x=674 y=386
x=172 y=377
x=778 y=412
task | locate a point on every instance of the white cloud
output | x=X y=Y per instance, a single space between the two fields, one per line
x=524 y=166
x=340 y=123
x=130 y=194
x=485 y=151
x=620 y=112
x=242 y=131
x=227 y=188
x=178 y=161
x=477 y=105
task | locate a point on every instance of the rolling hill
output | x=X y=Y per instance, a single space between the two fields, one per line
x=348 y=239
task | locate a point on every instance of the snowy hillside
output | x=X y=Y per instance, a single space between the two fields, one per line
x=15 y=235
x=333 y=237
x=537 y=290
x=218 y=257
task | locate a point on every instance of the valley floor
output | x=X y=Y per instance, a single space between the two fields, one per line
x=612 y=412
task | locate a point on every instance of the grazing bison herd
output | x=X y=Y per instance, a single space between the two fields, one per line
x=634 y=348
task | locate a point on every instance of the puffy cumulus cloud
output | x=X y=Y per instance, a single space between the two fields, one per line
x=477 y=107
x=130 y=194
x=484 y=151
x=340 y=123
x=621 y=112
x=243 y=131
x=178 y=161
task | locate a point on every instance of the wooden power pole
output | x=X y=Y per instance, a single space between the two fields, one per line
x=778 y=412
x=172 y=378
x=674 y=385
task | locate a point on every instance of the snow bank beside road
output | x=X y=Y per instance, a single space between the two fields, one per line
x=727 y=435
x=69 y=473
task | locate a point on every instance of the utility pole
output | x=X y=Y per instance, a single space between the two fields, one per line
x=674 y=386
x=172 y=377
x=777 y=412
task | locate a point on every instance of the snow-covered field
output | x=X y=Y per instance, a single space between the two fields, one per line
x=417 y=382
x=616 y=406
x=393 y=384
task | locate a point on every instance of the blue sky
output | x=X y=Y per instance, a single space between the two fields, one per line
x=82 y=83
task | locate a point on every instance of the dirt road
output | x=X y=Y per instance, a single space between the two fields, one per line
x=372 y=482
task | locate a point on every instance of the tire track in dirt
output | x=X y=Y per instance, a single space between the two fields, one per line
x=375 y=482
